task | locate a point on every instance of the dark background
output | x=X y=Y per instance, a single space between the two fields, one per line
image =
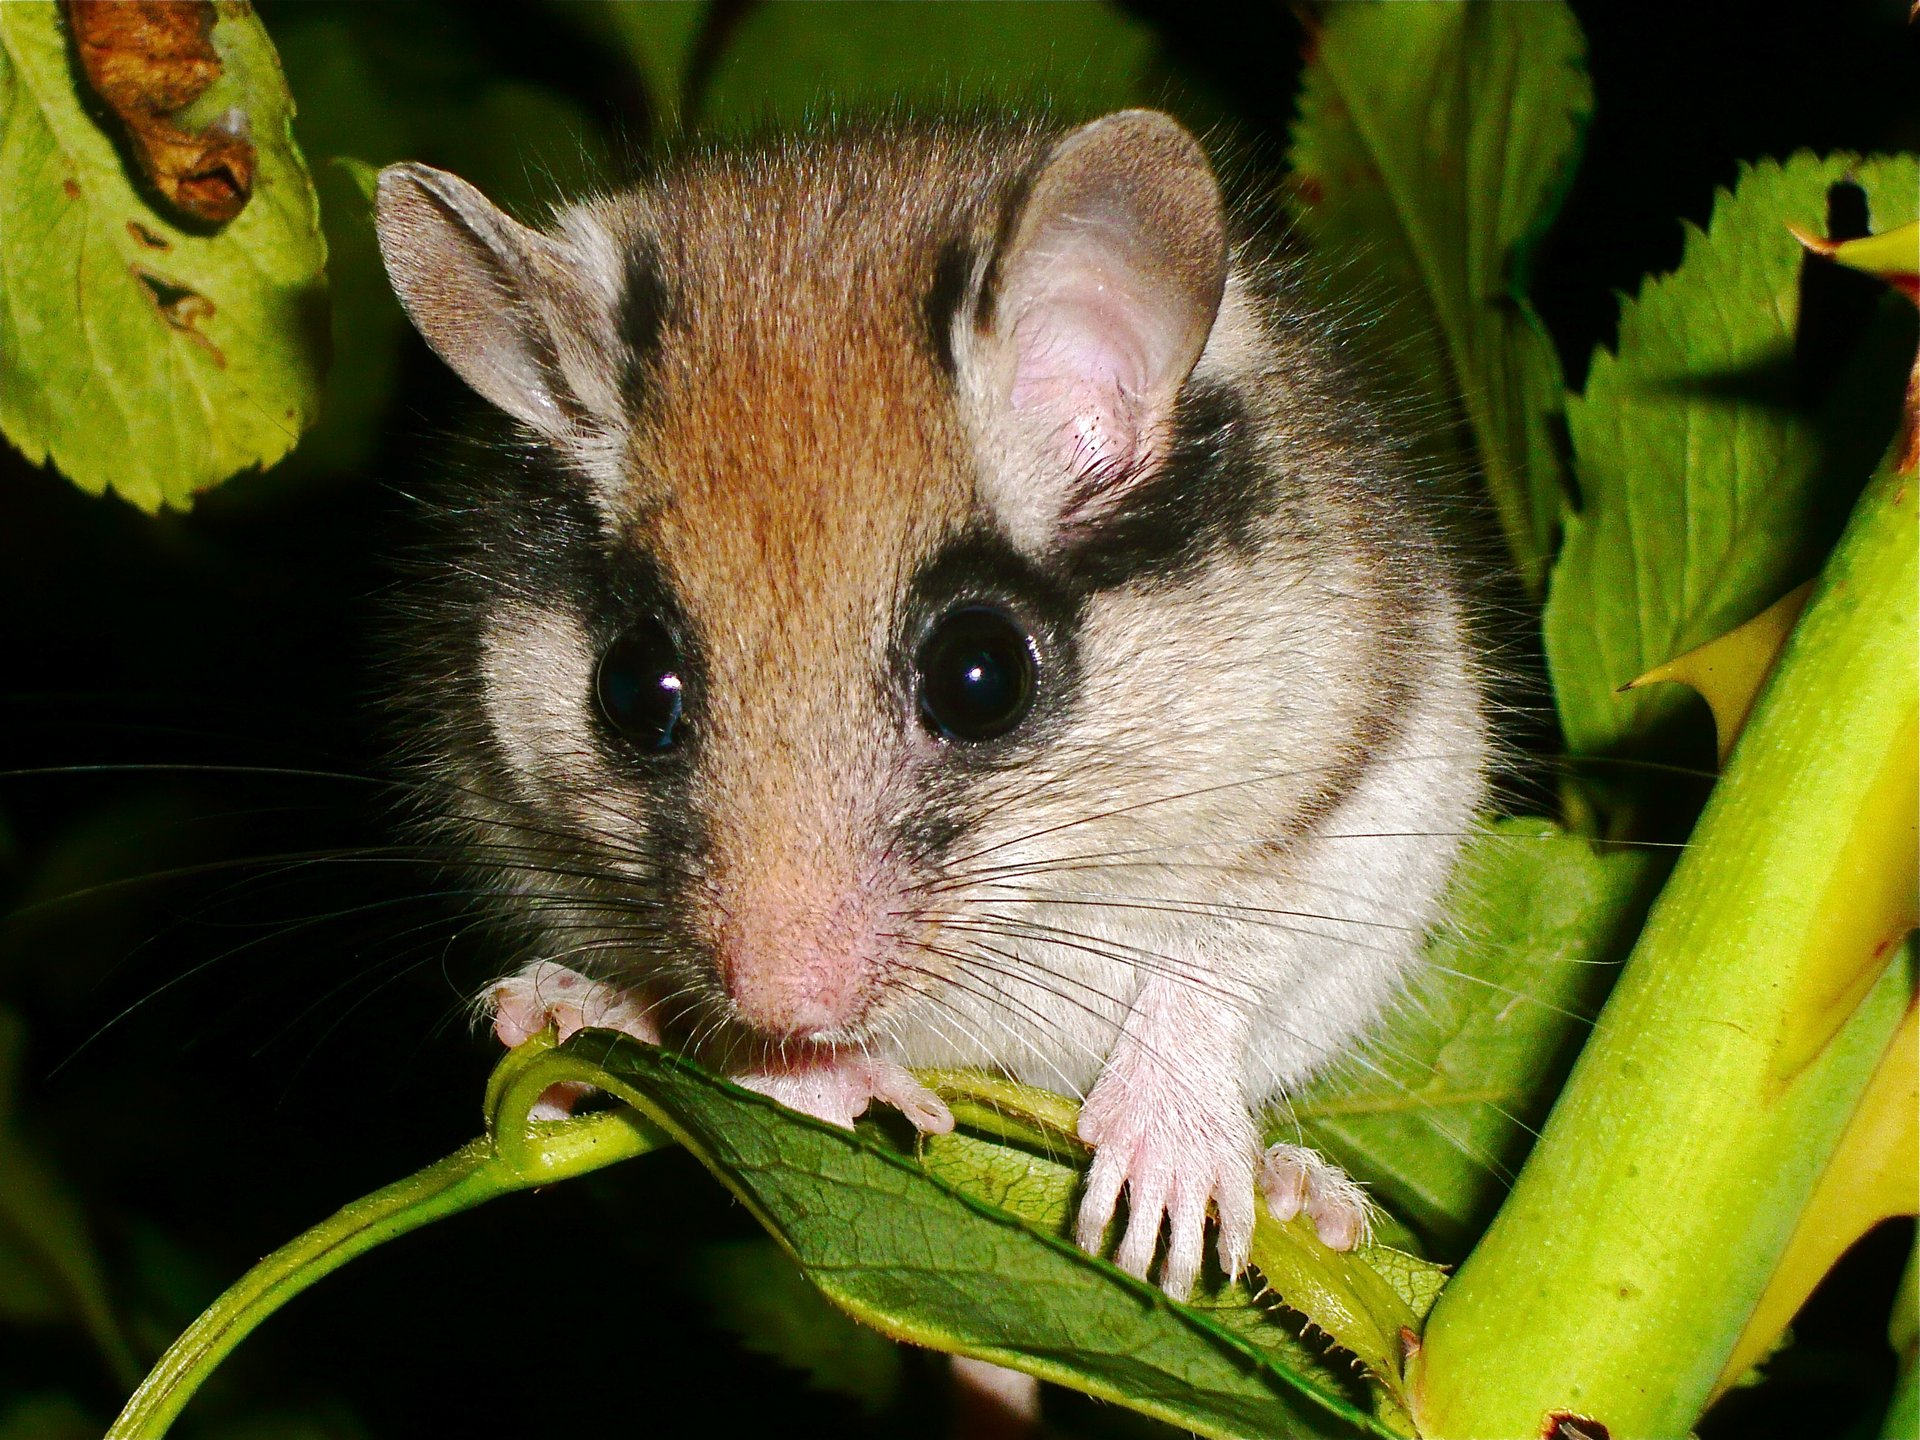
x=216 y=1058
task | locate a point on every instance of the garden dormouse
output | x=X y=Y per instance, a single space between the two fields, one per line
x=946 y=603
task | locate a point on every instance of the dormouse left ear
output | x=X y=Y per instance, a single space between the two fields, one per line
x=1098 y=305
x=522 y=316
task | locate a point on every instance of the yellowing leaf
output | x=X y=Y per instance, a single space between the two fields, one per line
x=1870 y=1178
x=139 y=355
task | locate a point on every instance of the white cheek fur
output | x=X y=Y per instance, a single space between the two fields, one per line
x=1159 y=840
x=538 y=669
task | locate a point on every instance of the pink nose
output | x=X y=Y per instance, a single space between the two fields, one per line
x=796 y=974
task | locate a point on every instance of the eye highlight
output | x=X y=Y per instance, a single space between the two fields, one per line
x=639 y=687
x=978 y=670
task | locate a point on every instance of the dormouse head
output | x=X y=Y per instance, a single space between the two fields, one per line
x=848 y=471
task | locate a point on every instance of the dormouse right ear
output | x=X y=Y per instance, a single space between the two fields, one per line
x=1099 y=301
x=514 y=312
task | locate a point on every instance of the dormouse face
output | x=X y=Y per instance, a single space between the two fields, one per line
x=878 y=515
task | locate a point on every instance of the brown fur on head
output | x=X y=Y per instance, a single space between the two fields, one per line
x=794 y=453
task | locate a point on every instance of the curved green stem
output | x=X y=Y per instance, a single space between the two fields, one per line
x=515 y=1155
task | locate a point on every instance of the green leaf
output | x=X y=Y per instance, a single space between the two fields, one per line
x=49 y=1269
x=659 y=39
x=47 y=1417
x=1437 y=1116
x=790 y=63
x=923 y=1261
x=136 y=355
x=1433 y=147
x=755 y=1291
x=1706 y=480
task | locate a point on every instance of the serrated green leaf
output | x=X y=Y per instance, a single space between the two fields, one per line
x=139 y=356
x=1703 y=475
x=1433 y=146
x=1435 y=1117
x=756 y=1292
x=790 y=63
x=921 y=1260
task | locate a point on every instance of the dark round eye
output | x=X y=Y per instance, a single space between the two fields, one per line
x=639 y=686
x=978 y=670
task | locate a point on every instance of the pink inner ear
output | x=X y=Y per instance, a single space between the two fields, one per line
x=1079 y=371
x=1094 y=355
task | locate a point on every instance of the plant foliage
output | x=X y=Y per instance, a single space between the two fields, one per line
x=1704 y=468
x=138 y=352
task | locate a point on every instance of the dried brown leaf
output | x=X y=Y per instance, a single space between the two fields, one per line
x=147 y=60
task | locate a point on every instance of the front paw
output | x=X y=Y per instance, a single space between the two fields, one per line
x=544 y=995
x=837 y=1088
x=1295 y=1179
x=1174 y=1152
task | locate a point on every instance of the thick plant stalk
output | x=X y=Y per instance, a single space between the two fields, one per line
x=1644 y=1229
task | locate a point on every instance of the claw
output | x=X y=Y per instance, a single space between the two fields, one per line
x=1295 y=1179
x=894 y=1085
x=1186 y=1236
x=1096 y=1204
x=1235 y=1207
x=1146 y=1209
